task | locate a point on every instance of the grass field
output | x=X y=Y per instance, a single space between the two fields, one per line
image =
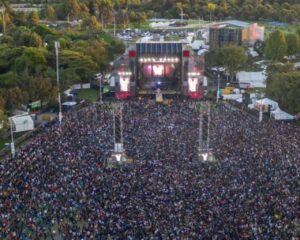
x=3 y=141
x=88 y=94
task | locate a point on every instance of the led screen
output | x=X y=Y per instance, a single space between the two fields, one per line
x=158 y=70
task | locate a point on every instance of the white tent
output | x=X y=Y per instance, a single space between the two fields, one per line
x=196 y=45
x=69 y=104
x=202 y=51
x=255 y=79
x=21 y=123
x=235 y=97
x=278 y=114
x=266 y=102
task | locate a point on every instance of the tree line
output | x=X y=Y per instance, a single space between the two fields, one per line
x=28 y=61
x=132 y=10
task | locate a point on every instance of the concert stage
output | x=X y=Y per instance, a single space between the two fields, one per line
x=165 y=65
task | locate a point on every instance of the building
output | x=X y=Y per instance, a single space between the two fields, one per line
x=235 y=32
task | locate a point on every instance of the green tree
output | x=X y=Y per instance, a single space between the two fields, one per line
x=231 y=57
x=84 y=66
x=15 y=97
x=72 y=8
x=211 y=8
x=4 y=125
x=34 y=18
x=91 y=23
x=276 y=46
x=20 y=19
x=293 y=43
x=50 y=13
x=43 y=89
x=284 y=87
x=32 y=61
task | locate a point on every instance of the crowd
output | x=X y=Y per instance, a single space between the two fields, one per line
x=58 y=187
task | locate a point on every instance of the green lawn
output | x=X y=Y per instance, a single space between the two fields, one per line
x=3 y=141
x=290 y=28
x=88 y=94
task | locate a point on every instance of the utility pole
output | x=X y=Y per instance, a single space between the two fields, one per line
x=99 y=77
x=204 y=133
x=200 y=132
x=118 y=127
x=114 y=23
x=57 y=46
x=12 y=144
x=218 y=90
x=181 y=15
x=261 y=109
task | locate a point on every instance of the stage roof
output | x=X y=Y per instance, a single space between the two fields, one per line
x=159 y=48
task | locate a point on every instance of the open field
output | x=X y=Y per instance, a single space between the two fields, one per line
x=88 y=94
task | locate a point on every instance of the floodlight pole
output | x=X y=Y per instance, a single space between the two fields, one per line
x=218 y=90
x=57 y=46
x=260 y=110
x=208 y=125
x=99 y=77
x=260 y=113
x=12 y=144
x=200 y=131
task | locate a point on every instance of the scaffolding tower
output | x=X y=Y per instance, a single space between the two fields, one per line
x=204 y=150
x=118 y=127
x=118 y=156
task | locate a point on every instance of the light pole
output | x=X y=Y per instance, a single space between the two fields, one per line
x=57 y=46
x=218 y=90
x=260 y=109
x=98 y=76
x=12 y=144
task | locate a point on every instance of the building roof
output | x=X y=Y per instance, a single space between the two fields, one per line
x=237 y=23
x=231 y=23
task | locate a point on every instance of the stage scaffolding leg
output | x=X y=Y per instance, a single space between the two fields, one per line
x=204 y=150
x=118 y=156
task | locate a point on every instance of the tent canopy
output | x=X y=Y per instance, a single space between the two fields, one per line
x=278 y=114
x=266 y=102
x=21 y=123
x=255 y=79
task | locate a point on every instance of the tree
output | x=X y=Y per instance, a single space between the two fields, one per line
x=276 y=46
x=43 y=30
x=15 y=97
x=20 y=19
x=97 y=50
x=293 y=43
x=82 y=65
x=34 y=18
x=284 y=87
x=231 y=57
x=91 y=23
x=211 y=8
x=40 y=88
x=50 y=13
x=73 y=9
x=2 y=103
x=32 y=61
x=3 y=123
